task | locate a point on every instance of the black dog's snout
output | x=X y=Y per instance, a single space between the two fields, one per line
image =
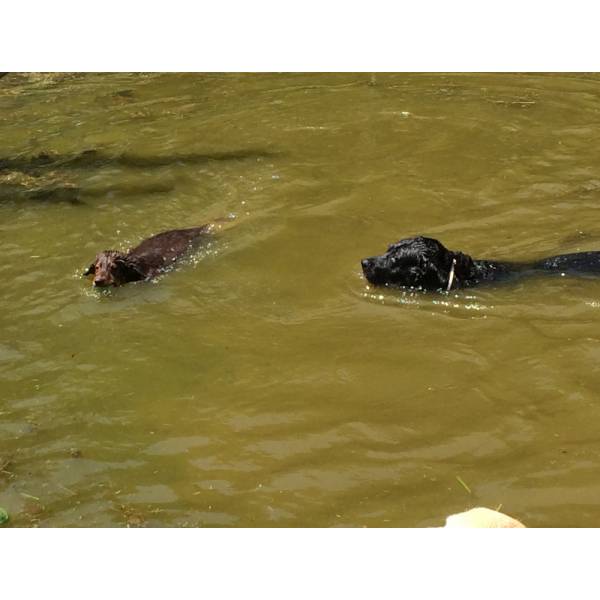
x=369 y=266
x=371 y=269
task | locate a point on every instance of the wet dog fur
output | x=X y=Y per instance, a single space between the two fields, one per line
x=425 y=263
x=152 y=257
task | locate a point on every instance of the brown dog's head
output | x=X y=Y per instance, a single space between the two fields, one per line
x=420 y=262
x=113 y=268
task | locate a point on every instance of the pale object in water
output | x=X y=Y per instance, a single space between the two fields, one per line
x=482 y=517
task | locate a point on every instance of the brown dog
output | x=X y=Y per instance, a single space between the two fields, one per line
x=147 y=260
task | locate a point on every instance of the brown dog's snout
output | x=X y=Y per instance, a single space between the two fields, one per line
x=101 y=282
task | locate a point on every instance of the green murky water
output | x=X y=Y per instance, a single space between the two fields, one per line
x=263 y=383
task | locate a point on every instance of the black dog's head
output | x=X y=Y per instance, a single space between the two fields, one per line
x=419 y=262
x=113 y=268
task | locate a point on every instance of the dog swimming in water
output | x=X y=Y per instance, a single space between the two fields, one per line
x=426 y=264
x=152 y=257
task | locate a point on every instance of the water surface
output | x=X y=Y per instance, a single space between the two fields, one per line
x=263 y=383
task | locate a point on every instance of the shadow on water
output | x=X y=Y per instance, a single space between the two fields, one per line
x=76 y=195
x=97 y=159
x=41 y=177
x=59 y=193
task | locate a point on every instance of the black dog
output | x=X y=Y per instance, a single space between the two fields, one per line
x=151 y=258
x=424 y=263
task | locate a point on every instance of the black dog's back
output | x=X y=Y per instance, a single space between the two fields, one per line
x=578 y=262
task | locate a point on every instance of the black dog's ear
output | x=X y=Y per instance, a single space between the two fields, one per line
x=433 y=276
x=90 y=270
x=464 y=266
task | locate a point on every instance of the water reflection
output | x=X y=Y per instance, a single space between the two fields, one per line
x=265 y=383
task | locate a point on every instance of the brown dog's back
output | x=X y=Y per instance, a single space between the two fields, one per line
x=160 y=251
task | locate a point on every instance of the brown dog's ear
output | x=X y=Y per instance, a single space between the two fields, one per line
x=128 y=270
x=90 y=270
